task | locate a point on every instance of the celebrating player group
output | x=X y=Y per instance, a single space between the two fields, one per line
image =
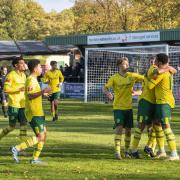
x=154 y=108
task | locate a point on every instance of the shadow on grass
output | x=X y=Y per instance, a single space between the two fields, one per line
x=68 y=150
x=88 y=127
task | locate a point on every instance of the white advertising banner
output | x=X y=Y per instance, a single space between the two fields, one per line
x=124 y=38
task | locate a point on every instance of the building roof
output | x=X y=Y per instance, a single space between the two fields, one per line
x=33 y=47
x=8 y=47
x=164 y=36
x=12 y=49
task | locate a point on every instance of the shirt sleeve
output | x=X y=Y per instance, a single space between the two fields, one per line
x=8 y=84
x=30 y=88
x=109 y=84
x=154 y=81
x=137 y=77
x=8 y=80
x=153 y=72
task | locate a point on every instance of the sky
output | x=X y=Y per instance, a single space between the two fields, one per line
x=57 y=5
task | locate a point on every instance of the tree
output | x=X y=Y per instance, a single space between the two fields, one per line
x=60 y=23
x=26 y=19
x=158 y=14
x=11 y=19
x=35 y=21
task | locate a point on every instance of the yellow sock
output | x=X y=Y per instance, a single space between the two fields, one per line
x=38 y=150
x=117 y=141
x=154 y=142
x=159 y=137
x=152 y=138
x=53 y=113
x=136 y=140
x=5 y=131
x=127 y=141
x=170 y=139
x=23 y=133
x=28 y=143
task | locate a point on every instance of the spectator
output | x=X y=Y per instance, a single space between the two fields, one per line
x=61 y=69
x=3 y=95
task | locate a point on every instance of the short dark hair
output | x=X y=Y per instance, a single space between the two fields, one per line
x=32 y=64
x=2 y=67
x=121 y=60
x=16 y=60
x=163 y=58
x=52 y=63
x=151 y=58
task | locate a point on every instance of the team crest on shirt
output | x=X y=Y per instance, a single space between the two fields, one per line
x=30 y=88
x=8 y=80
x=130 y=79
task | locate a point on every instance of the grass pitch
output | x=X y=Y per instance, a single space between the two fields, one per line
x=80 y=146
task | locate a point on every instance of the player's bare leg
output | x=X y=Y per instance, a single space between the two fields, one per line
x=53 y=110
x=56 y=109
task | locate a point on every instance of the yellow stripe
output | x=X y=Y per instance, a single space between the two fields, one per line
x=141 y=119
x=166 y=120
x=37 y=130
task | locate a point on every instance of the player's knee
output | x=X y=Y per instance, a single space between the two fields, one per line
x=45 y=135
x=118 y=130
x=55 y=102
x=24 y=123
x=128 y=132
x=141 y=126
x=157 y=123
x=12 y=127
x=165 y=126
x=41 y=137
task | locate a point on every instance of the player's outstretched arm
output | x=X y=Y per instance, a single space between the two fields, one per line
x=138 y=77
